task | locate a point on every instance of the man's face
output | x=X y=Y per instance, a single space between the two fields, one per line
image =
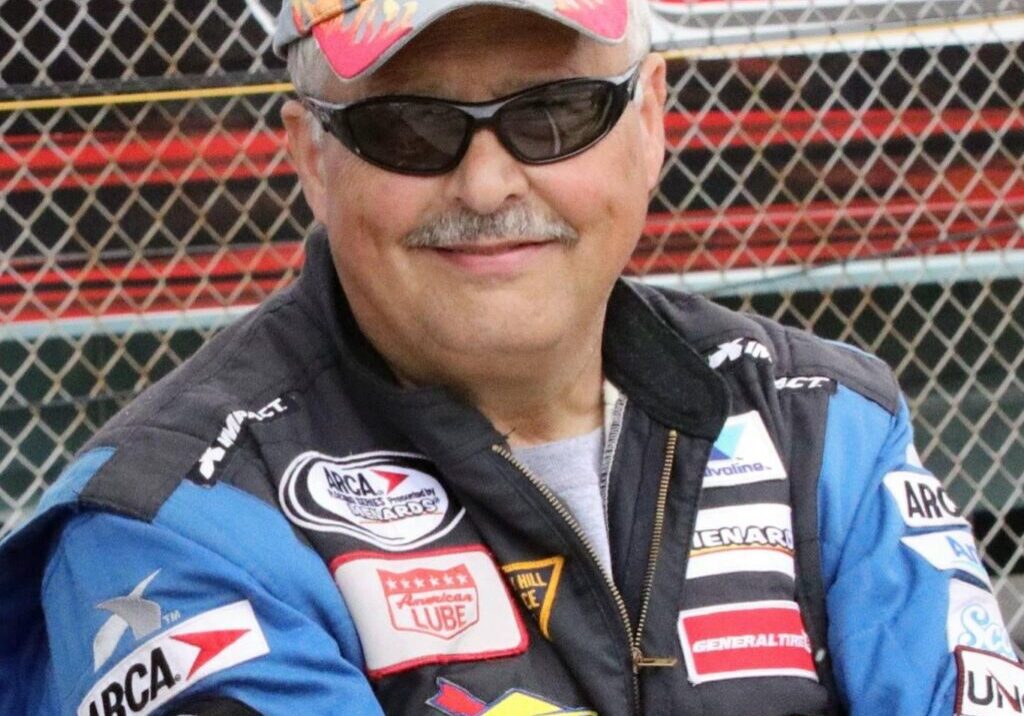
x=490 y=298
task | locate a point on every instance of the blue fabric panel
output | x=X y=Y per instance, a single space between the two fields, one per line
x=208 y=547
x=887 y=605
x=26 y=674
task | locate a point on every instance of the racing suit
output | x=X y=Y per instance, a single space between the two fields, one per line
x=278 y=528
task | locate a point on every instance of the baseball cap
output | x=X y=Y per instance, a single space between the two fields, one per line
x=358 y=36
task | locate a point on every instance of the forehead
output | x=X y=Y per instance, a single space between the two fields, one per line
x=484 y=52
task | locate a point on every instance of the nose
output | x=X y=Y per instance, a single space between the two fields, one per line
x=488 y=177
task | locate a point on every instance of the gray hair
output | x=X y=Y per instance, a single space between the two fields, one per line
x=312 y=75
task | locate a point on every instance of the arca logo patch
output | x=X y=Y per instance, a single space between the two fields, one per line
x=172 y=662
x=453 y=700
x=922 y=500
x=391 y=500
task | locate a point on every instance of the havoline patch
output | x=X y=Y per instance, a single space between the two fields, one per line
x=391 y=500
x=743 y=453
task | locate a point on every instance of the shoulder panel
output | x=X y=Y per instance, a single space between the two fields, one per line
x=162 y=434
x=707 y=326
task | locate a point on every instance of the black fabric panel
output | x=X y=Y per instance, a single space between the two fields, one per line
x=632 y=496
x=864 y=374
x=806 y=453
x=653 y=365
x=704 y=325
x=213 y=707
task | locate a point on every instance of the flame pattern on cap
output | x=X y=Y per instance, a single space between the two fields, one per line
x=306 y=14
x=606 y=18
x=354 y=41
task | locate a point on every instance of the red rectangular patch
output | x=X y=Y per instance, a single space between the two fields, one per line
x=736 y=641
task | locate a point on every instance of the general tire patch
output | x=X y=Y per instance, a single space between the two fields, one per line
x=744 y=640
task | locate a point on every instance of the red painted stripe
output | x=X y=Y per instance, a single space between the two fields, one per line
x=718 y=130
x=88 y=160
x=693 y=241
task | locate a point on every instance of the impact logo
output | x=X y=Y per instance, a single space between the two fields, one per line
x=453 y=700
x=736 y=349
x=205 y=470
x=536 y=583
x=743 y=453
x=173 y=661
x=441 y=603
x=987 y=684
x=388 y=499
x=804 y=382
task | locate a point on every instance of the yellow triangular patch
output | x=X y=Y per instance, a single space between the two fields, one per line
x=536 y=583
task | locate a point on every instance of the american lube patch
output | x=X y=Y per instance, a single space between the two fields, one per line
x=430 y=607
x=391 y=500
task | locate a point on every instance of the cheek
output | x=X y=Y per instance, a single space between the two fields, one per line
x=369 y=210
x=607 y=189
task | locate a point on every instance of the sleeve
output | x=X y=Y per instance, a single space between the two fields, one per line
x=213 y=608
x=906 y=591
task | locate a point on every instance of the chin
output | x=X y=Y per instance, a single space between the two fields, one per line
x=497 y=340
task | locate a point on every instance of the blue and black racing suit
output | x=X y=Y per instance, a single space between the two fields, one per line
x=279 y=528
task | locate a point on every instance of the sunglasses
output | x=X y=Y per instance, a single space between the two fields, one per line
x=417 y=135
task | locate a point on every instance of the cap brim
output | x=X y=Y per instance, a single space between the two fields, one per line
x=358 y=42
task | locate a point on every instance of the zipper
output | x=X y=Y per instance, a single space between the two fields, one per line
x=639 y=661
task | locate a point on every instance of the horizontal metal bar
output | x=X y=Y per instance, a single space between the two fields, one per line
x=942 y=268
x=770 y=279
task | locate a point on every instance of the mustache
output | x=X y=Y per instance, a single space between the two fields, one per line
x=518 y=222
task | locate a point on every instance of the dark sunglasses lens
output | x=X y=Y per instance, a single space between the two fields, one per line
x=557 y=121
x=408 y=136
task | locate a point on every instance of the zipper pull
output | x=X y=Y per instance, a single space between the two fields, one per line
x=645 y=662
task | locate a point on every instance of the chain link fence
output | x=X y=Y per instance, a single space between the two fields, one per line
x=851 y=168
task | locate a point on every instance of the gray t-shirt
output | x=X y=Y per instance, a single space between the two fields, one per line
x=571 y=468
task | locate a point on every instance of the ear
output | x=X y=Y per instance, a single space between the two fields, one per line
x=652 y=116
x=306 y=157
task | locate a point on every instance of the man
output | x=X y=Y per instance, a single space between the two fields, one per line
x=460 y=468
